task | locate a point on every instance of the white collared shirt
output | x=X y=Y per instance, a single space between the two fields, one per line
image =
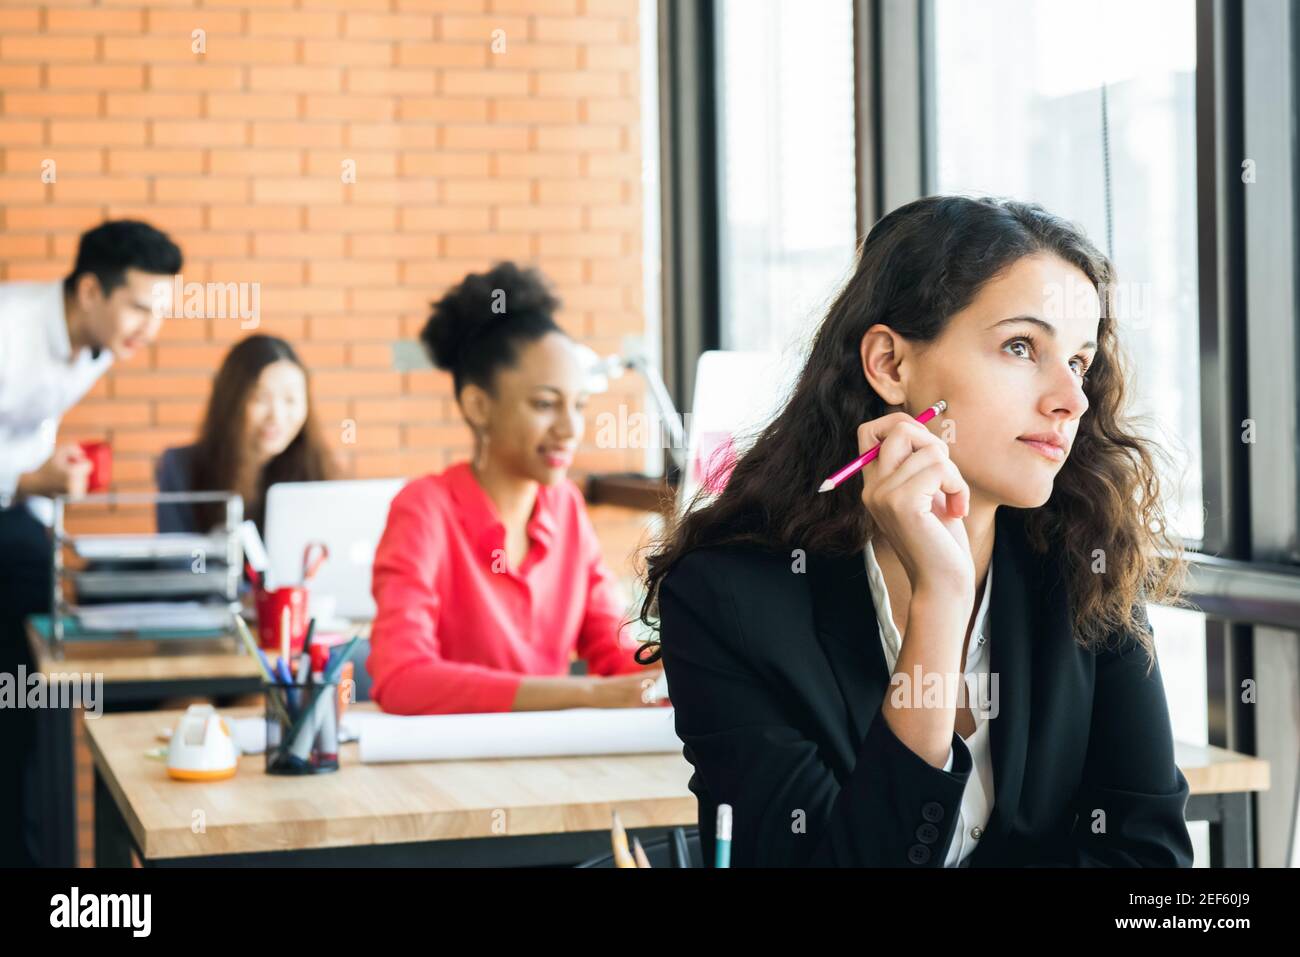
x=977 y=798
x=40 y=379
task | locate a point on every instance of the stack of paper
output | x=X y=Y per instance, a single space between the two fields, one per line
x=518 y=734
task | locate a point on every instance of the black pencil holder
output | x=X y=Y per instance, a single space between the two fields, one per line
x=302 y=728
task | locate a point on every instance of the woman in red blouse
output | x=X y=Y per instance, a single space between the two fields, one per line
x=489 y=575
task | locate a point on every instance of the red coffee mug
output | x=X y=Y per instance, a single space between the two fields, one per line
x=270 y=613
x=100 y=455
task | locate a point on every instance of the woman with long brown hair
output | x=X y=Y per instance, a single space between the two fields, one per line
x=946 y=659
x=258 y=430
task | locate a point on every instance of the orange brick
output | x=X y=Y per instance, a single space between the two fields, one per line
x=28 y=189
x=488 y=247
x=444 y=109
x=352 y=382
x=46 y=49
x=74 y=218
x=65 y=161
x=486 y=137
x=178 y=412
x=529 y=165
x=366 y=164
x=276 y=216
x=440 y=219
x=353 y=328
x=52 y=104
x=19 y=76
x=95 y=77
x=584 y=29
x=301 y=190
x=256 y=270
x=347 y=53
x=573 y=192
x=254 y=49
x=547 y=7
x=155 y=161
x=352 y=218
x=19 y=246
x=418 y=53
x=461 y=82
x=483 y=192
x=297 y=79
x=199 y=133
x=389 y=246
x=593 y=83
x=262 y=162
x=206 y=76
x=298 y=245
x=21 y=132
x=183 y=23
x=253 y=105
x=177 y=357
x=451 y=165
x=409 y=82
x=535 y=110
x=21 y=19
x=579 y=139
x=160 y=386
x=536 y=56
x=400 y=136
x=370 y=355
x=483 y=28
x=297 y=134
x=319 y=355
x=366 y=26
x=201 y=189
x=153 y=105
x=296 y=25
x=99 y=189
x=349 y=273
x=349 y=106
x=514 y=219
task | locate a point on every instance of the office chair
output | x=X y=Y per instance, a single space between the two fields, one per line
x=681 y=848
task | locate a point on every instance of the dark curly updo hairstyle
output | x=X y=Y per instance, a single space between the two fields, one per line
x=479 y=325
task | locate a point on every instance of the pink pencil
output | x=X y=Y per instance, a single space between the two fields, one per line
x=853 y=467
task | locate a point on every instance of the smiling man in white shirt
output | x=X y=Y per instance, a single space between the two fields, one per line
x=56 y=339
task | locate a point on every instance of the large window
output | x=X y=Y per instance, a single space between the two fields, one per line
x=787 y=220
x=1089 y=109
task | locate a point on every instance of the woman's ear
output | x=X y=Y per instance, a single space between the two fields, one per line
x=476 y=406
x=881 y=352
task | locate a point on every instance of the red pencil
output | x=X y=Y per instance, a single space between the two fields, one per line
x=853 y=467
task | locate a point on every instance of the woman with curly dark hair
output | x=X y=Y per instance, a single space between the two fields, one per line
x=945 y=660
x=489 y=575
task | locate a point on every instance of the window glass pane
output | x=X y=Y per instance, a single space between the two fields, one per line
x=787 y=203
x=1018 y=110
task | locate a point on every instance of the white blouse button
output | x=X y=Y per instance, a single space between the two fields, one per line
x=976 y=831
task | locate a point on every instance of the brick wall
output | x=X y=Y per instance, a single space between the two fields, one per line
x=464 y=153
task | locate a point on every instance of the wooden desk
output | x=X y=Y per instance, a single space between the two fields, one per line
x=136 y=674
x=1221 y=783
x=454 y=813
x=436 y=813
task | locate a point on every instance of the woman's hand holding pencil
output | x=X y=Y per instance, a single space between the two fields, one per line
x=918 y=499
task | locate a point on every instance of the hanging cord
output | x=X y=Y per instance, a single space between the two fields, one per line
x=1105 y=166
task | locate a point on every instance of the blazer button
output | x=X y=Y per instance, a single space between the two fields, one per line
x=932 y=811
x=918 y=853
x=927 y=834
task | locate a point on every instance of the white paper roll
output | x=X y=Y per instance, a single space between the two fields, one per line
x=518 y=734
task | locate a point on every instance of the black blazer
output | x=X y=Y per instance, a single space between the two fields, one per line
x=777 y=678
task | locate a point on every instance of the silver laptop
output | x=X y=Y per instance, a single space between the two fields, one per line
x=349 y=518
